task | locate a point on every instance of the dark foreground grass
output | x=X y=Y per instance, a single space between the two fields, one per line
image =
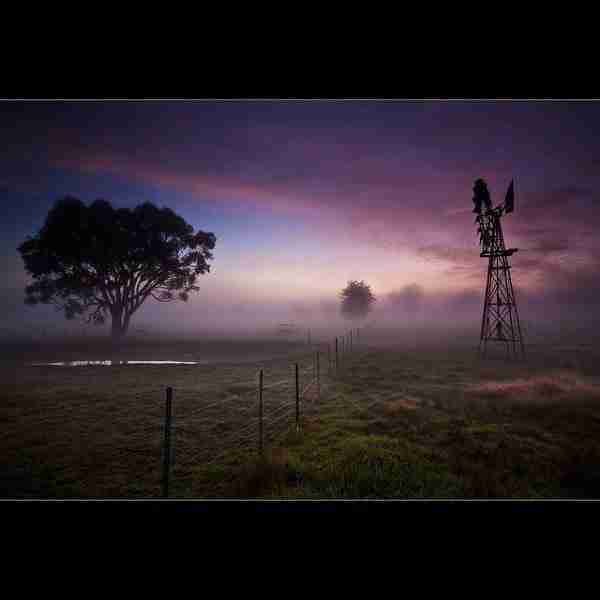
x=392 y=424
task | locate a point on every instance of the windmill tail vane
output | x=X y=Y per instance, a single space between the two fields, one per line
x=509 y=202
x=500 y=320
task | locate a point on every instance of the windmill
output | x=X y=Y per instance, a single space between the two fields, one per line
x=500 y=321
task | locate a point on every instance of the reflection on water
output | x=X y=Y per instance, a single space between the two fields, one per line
x=109 y=363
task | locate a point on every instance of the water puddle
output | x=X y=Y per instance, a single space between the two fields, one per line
x=112 y=363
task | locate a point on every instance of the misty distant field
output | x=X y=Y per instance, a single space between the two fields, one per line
x=398 y=421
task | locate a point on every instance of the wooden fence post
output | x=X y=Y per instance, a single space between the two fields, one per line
x=351 y=340
x=297 y=400
x=336 y=355
x=260 y=413
x=167 y=443
x=329 y=359
x=318 y=377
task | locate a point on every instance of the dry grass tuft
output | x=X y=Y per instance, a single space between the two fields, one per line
x=557 y=387
x=396 y=406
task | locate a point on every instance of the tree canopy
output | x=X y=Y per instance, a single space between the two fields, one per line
x=97 y=261
x=357 y=300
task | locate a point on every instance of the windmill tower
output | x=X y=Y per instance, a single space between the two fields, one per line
x=500 y=321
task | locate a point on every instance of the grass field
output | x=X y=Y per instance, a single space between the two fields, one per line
x=393 y=423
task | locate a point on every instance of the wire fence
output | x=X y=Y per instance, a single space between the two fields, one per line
x=251 y=420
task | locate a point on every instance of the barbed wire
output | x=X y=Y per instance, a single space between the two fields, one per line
x=230 y=398
x=249 y=433
x=280 y=410
x=272 y=404
x=250 y=426
x=276 y=420
x=206 y=432
x=276 y=437
x=235 y=398
x=230 y=445
x=277 y=384
x=307 y=387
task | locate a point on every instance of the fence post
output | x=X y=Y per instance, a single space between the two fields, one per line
x=329 y=359
x=260 y=413
x=336 y=355
x=167 y=444
x=318 y=377
x=309 y=337
x=351 y=340
x=297 y=400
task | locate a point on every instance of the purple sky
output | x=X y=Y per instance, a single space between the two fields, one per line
x=304 y=196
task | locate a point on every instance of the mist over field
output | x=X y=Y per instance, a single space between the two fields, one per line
x=410 y=312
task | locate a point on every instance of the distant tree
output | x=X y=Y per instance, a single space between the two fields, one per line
x=97 y=261
x=409 y=298
x=357 y=300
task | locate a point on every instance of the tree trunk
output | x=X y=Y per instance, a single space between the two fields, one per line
x=116 y=331
x=120 y=324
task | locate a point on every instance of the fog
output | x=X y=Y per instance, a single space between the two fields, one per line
x=408 y=314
